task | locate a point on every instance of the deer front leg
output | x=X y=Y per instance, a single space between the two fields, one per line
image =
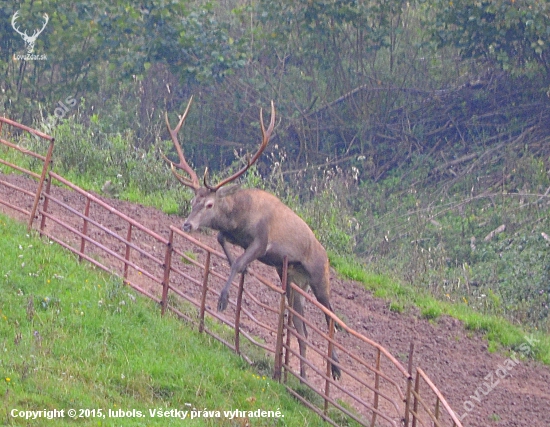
x=254 y=251
x=223 y=243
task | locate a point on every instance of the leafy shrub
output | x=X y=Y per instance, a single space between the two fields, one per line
x=512 y=34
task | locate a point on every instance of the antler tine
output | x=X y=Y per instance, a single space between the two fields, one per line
x=183 y=165
x=265 y=139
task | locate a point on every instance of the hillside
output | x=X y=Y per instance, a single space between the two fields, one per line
x=413 y=137
x=458 y=360
x=74 y=338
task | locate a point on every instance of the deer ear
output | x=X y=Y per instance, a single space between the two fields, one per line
x=228 y=190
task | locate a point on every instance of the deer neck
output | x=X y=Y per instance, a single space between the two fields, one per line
x=234 y=210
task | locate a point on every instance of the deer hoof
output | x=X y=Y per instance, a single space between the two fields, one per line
x=222 y=302
x=336 y=373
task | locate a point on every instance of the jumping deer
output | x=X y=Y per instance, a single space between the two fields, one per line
x=263 y=226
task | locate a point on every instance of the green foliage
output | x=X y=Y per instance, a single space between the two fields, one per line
x=509 y=261
x=328 y=213
x=72 y=43
x=513 y=34
x=210 y=53
x=430 y=312
x=444 y=238
x=108 y=163
x=329 y=221
x=83 y=40
x=397 y=307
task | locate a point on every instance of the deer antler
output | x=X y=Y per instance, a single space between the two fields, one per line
x=249 y=161
x=183 y=165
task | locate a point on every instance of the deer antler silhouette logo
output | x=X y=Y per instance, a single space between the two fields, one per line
x=29 y=40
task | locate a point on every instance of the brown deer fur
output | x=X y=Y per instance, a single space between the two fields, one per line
x=266 y=229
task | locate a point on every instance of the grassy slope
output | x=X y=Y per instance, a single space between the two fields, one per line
x=499 y=331
x=74 y=338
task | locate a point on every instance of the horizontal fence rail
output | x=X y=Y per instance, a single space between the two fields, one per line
x=44 y=160
x=184 y=276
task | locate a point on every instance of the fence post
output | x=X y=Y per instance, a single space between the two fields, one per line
x=167 y=268
x=204 y=290
x=278 y=364
x=45 y=168
x=376 y=387
x=45 y=205
x=415 y=400
x=436 y=410
x=127 y=253
x=85 y=230
x=289 y=324
x=329 y=363
x=238 y=314
x=409 y=385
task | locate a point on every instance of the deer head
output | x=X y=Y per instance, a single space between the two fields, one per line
x=204 y=210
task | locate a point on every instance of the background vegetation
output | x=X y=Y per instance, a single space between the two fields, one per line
x=417 y=130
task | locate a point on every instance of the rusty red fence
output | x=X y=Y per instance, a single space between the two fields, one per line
x=185 y=275
x=44 y=160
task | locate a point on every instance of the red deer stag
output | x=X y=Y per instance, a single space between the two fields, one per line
x=263 y=226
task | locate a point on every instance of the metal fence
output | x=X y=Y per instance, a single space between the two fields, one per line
x=44 y=161
x=184 y=276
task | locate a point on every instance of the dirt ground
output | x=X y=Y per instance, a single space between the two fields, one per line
x=482 y=387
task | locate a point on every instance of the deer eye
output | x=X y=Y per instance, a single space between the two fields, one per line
x=209 y=204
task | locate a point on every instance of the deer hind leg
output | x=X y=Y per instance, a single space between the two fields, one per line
x=320 y=286
x=297 y=304
x=299 y=276
x=295 y=301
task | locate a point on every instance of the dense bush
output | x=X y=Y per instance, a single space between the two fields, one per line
x=514 y=35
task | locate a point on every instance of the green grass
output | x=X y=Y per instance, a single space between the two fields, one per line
x=168 y=200
x=72 y=337
x=500 y=333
